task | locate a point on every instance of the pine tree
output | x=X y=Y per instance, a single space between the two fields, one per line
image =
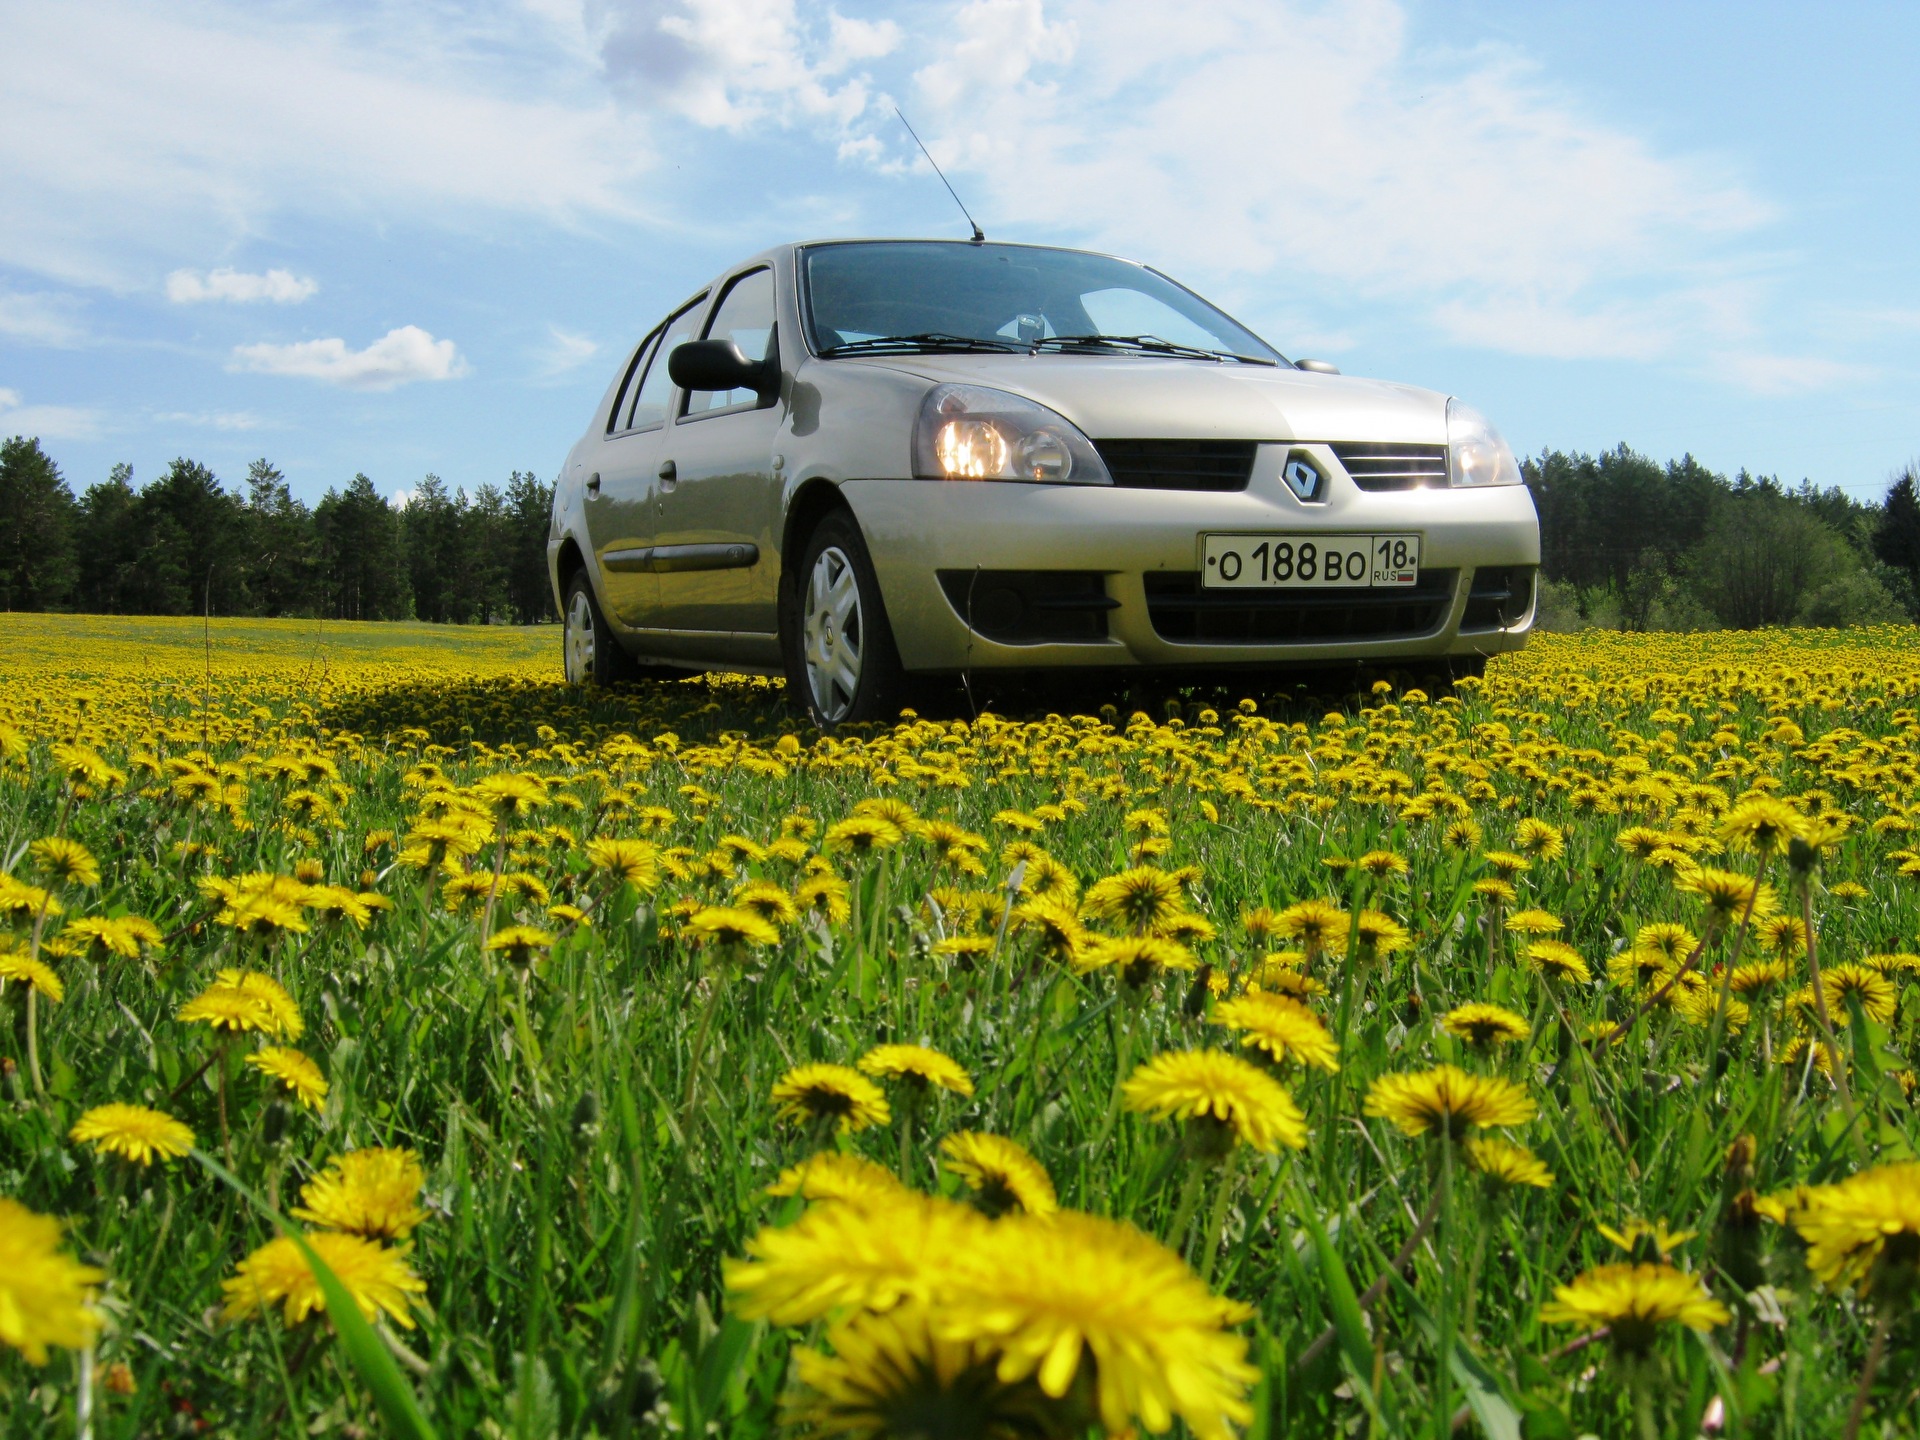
x=36 y=528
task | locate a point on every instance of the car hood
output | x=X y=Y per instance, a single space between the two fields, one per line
x=1149 y=398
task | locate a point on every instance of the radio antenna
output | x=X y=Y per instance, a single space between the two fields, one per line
x=978 y=237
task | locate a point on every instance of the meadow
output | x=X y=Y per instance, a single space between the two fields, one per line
x=396 y=1041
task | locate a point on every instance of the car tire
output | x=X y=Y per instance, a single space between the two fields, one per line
x=841 y=663
x=592 y=654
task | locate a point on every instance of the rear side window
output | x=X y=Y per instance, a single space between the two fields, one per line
x=744 y=316
x=655 y=389
x=630 y=387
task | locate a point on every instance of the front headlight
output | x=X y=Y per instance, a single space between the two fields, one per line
x=968 y=432
x=1476 y=455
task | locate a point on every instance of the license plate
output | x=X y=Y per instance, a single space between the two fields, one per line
x=1308 y=562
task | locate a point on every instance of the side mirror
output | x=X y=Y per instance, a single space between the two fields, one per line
x=719 y=365
x=1317 y=367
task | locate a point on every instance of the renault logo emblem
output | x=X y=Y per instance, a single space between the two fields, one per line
x=1303 y=477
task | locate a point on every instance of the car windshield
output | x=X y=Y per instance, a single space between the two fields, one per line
x=873 y=296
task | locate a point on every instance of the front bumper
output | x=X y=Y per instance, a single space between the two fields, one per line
x=916 y=529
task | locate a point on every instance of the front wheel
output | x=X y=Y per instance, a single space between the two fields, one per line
x=593 y=656
x=841 y=663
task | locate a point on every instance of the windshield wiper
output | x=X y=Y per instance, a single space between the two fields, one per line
x=1146 y=344
x=932 y=340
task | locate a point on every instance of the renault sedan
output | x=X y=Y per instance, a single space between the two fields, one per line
x=865 y=464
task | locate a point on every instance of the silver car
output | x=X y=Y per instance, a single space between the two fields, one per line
x=864 y=464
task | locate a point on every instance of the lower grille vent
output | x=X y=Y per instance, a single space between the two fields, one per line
x=1030 y=607
x=1183 y=613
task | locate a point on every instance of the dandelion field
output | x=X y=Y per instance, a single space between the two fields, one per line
x=395 y=1041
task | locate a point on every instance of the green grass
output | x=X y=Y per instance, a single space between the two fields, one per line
x=580 y=1209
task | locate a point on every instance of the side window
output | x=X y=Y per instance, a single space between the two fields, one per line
x=650 y=404
x=630 y=387
x=744 y=316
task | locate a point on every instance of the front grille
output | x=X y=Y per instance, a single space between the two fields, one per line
x=1179 y=464
x=1377 y=466
x=1500 y=597
x=1183 y=613
x=1030 y=607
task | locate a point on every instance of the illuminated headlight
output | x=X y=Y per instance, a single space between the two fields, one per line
x=968 y=432
x=1476 y=455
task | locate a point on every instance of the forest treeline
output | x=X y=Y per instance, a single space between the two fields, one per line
x=182 y=544
x=1626 y=542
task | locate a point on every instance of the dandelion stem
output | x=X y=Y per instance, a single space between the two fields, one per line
x=1841 y=1063
x=1217 y=1219
x=1876 y=1352
x=1183 y=1211
x=698 y=1054
x=1379 y=1286
x=33 y=1045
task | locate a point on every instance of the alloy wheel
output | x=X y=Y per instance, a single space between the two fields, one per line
x=833 y=633
x=578 y=643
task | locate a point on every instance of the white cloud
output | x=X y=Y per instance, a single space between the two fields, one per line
x=38 y=319
x=1318 y=148
x=49 y=422
x=564 y=352
x=397 y=358
x=733 y=64
x=212 y=419
x=209 y=121
x=1775 y=375
x=282 y=287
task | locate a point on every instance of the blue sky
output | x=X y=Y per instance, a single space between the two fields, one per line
x=410 y=237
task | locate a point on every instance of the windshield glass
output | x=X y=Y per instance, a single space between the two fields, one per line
x=1002 y=296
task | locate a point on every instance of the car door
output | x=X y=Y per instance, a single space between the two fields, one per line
x=619 y=507
x=715 y=554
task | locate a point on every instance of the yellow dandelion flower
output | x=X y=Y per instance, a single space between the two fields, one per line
x=1484 y=1026
x=46 y=1297
x=730 y=925
x=918 y=1067
x=294 y=1070
x=1864 y=1231
x=1673 y=943
x=862 y=834
x=1506 y=864
x=834 y=1175
x=1319 y=926
x=1558 y=960
x=1139 y=958
x=1447 y=1100
x=374 y=1192
x=631 y=862
x=838 y=1093
x=870 y=1254
x=1762 y=824
x=1053 y=1292
x=1001 y=1173
x=1646 y=1239
x=36 y=975
x=825 y=896
x=65 y=862
x=1378 y=934
x=378 y=1279
x=1534 y=922
x=133 y=1132
x=1539 y=840
x=1382 y=863
x=520 y=944
x=1140 y=897
x=1727 y=894
x=769 y=901
x=241 y=1000
x=1633 y=1302
x=1281 y=1028
x=1229 y=1097
x=1873 y=991
x=1506 y=1162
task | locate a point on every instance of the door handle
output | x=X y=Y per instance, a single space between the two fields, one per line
x=593 y=483
x=669 y=476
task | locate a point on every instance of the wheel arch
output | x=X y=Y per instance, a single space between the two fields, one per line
x=811 y=503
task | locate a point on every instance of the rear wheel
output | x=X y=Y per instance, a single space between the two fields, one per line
x=842 y=666
x=593 y=655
